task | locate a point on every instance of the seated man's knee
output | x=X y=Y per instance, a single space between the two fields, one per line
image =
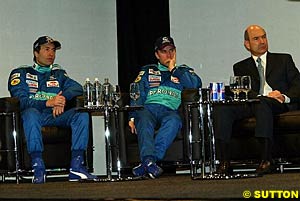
x=174 y=120
x=31 y=114
x=82 y=117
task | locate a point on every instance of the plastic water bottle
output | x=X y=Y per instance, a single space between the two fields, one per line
x=88 y=93
x=107 y=92
x=98 y=93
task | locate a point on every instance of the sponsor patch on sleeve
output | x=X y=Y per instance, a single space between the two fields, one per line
x=15 y=75
x=15 y=82
x=138 y=78
x=192 y=72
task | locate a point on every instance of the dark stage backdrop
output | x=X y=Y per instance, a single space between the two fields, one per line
x=139 y=23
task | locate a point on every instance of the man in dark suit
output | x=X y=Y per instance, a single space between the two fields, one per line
x=277 y=87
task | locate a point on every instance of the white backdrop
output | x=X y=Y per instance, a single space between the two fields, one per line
x=85 y=28
x=209 y=33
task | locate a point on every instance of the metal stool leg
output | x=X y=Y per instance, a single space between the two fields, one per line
x=202 y=130
x=192 y=140
x=15 y=135
x=108 y=144
x=211 y=138
x=117 y=143
x=193 y=166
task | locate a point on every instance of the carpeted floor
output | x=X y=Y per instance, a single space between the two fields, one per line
x=168 y=187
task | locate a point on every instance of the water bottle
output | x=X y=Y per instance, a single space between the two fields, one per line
x=88 y=93
x=98 y=93
x=107 y=92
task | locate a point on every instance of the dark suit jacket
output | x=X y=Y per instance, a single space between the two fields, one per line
x=281 y=75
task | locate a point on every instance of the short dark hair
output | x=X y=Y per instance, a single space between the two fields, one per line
x=37 y=49
x=246 y=35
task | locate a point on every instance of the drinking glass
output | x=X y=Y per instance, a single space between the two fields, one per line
x=134 y=91
x=246 y=84
x=235 y=86
x=116 y=94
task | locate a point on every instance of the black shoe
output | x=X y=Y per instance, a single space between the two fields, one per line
x=264 y=167
x=224 y=168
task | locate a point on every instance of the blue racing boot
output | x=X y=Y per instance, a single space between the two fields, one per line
x=79 y=172
x=139 y=171
x=153 y=170
x=39 y=172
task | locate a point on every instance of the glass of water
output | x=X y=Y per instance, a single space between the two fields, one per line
x=235 y=86
x=116 y=94
x=246 y=85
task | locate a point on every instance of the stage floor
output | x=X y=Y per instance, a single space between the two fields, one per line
x=167 y=187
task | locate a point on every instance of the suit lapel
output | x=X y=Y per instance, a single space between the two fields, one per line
x=270 y=64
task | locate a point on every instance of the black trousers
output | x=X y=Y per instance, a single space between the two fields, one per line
x=225 y=115
x=263 y=111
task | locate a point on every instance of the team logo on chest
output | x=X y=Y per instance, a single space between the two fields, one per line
x=31 y=77
x=32 y=84
x=153 y=72
x=53 y=83
x=175 y=80
x=154 y=78
x=32 y=90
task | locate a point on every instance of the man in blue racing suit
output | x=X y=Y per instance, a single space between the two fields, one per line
x=160 y=94
x=43 y=90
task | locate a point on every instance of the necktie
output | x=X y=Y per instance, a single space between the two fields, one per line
x=260 y=69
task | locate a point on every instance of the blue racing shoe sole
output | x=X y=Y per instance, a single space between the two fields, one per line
x=81 y=175
x=39 y=177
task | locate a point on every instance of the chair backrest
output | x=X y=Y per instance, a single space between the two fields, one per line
x=10 y=124
x=128 y=142
x=9 y=104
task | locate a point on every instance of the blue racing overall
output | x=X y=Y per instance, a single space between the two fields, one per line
x=34 y=85
x=160 y=94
